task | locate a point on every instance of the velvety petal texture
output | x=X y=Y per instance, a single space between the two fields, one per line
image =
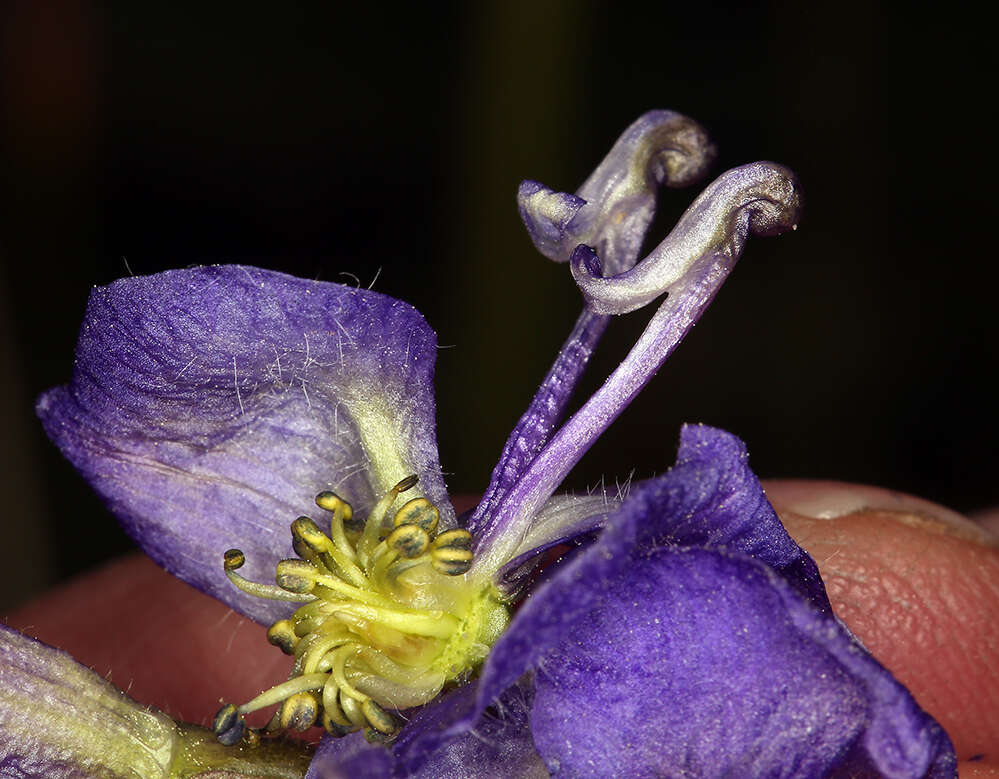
x=711 y=498
x=690 y=635
x=499 y=746
x=711 y=665
x=209 y=406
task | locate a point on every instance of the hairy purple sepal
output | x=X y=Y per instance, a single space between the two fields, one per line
x=208 y=407
x=712 y=665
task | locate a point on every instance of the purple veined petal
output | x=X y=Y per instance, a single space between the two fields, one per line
x=59 y=719
x=614 y=207
x=612 y=210
x=708 y=664
x=760 y=198
x=510 y=518
x=209 y=406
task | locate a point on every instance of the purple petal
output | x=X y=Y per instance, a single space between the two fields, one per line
x=351 y=756
x=613 y=211
x=711 y=498
x=759 y=198
x=705 y=664
x=59 y=719
x=208 y=406
x=547 y=407
x=614 y=207
x=501 y=744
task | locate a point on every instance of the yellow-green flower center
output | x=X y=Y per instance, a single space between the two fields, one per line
x=388 y=618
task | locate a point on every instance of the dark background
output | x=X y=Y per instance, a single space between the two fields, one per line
x=390 y=142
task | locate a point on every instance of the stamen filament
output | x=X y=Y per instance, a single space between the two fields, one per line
x=279 y=692
x=267 y=590
x=338 y=670
x=331 y=705
x=315 y=546
x=352 y=708
x=329 y=629
x=433 y=624
x=381 y=562
x=341 y=511
x=373 y=526
x=347 y=567
x=344 y=590
x=317 y=608
x=319 y=649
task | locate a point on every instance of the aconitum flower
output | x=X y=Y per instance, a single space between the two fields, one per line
x=685 y=633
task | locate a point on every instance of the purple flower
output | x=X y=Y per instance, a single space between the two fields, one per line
x=684 y=634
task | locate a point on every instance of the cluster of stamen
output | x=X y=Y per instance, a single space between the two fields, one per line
x=386 y=620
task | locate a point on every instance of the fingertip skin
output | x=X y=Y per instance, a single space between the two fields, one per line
x=923 y=597
x=155 y=637
x=977 y=769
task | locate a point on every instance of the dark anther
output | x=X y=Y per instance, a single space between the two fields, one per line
x=299 y=712
x=295 y=576
x=330 y=501
x=282 y=635
x=379 y=719
x=409 y=540
x=305 y=530
x=451 y=552
x=418 y=511
x=233 y=559
x=407 y=483
x=228 y=725
x=335 y=729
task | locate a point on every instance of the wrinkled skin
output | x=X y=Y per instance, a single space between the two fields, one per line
x=890 y=563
